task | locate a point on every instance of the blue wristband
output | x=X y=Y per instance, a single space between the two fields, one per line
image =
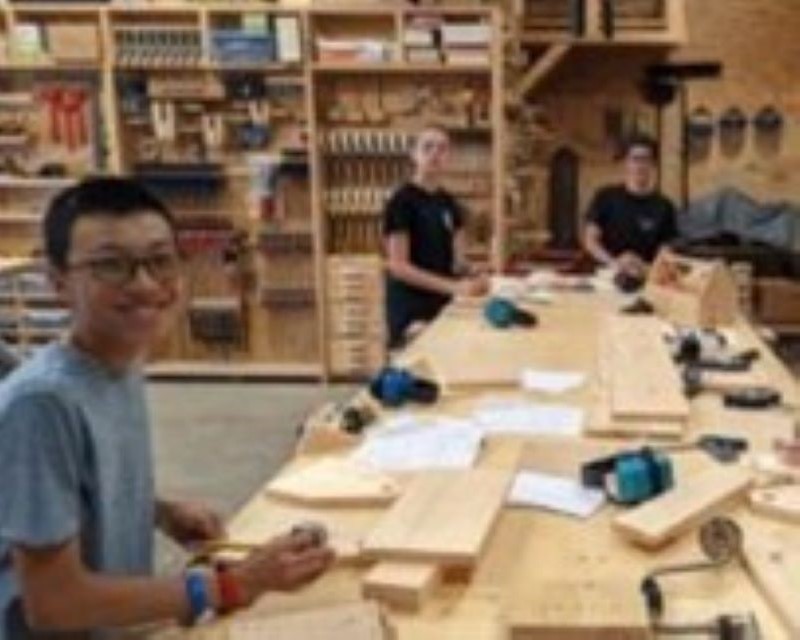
x=197 y=594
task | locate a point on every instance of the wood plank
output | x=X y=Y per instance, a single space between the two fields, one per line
x=668 y=516
x=444 y=517
x=774 y=568
x=335 y=482
x=563 y=456
x=580 y=609
x=356 y=621
x=643 y=379
x=402 y=584
x=782 y=502
x=603 y=422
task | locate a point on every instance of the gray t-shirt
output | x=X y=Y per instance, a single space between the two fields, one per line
x=75 y=460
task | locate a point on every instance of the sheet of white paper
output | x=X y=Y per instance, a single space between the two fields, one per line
x=516 y=417
x=564 y=495
x=408 y=444
x=551 y=381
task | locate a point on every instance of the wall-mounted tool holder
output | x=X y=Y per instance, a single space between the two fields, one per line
x=158 y=46
x=49 y=128
x=196 y=181
x=220 y=110
x=30 y=312
x=286 y=297
x=246 y=39
x=274 y=242
x=218 y=322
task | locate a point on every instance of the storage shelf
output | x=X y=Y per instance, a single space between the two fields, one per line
x=275 y=344
x=398 y=67
x=204 y=67
x=50 y=66
x=19 y=218
x=619 y=40
x=29 y=298
x=16 y=182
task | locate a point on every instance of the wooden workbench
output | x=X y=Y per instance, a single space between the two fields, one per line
x=549 y=564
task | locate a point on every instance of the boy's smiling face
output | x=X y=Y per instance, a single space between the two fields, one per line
x=123 y=280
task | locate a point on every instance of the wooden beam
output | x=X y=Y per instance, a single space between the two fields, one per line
x=666 y=517
x=541 y=68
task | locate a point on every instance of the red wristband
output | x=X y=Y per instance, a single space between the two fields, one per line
x=230 y=592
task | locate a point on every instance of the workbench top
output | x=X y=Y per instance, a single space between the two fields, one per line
x=538 y=564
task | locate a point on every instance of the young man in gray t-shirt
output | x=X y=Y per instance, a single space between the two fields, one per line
x=77 y=503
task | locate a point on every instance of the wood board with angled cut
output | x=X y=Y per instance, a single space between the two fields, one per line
x=664 y=518
x=443 y=517
x=335 y=482
x=781 y=502
x=402 y=584
x=354 y=621
x=644 y=382
x=773 y=566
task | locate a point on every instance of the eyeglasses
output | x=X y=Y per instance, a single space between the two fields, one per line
x=120 y=269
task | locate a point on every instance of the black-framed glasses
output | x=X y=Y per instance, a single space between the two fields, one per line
x=122 y=269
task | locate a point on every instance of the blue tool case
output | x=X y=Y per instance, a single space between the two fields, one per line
x=236 y=46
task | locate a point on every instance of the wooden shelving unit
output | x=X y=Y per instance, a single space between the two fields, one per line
x=30 y=312
x=276 y=133
x=223 y=108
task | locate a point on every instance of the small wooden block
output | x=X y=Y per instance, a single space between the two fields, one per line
x=336 y=482
x=666 y=517
x=402 y=584
x=444 y=517
x=356 y=621
x=774 y=568
x=781 y=502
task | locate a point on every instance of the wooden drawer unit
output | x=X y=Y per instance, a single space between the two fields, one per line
x=358 y=356
x=355 y=278
x=356 y=318
x=355 y=315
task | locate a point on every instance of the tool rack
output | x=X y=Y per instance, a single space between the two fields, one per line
x=275 y=134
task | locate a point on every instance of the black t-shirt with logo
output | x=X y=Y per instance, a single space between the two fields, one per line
x=430 y=219
x=632 y=222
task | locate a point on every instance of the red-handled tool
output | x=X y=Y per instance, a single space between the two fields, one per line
x=53 y=96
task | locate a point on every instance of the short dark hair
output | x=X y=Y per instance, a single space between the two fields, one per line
x=95 y=196
x=641 y=140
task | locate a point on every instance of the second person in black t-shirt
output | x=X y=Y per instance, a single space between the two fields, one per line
x=627 y=224
x=423 y=230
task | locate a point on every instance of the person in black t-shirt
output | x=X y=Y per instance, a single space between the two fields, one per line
x=627 y=224
x=424 y=241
